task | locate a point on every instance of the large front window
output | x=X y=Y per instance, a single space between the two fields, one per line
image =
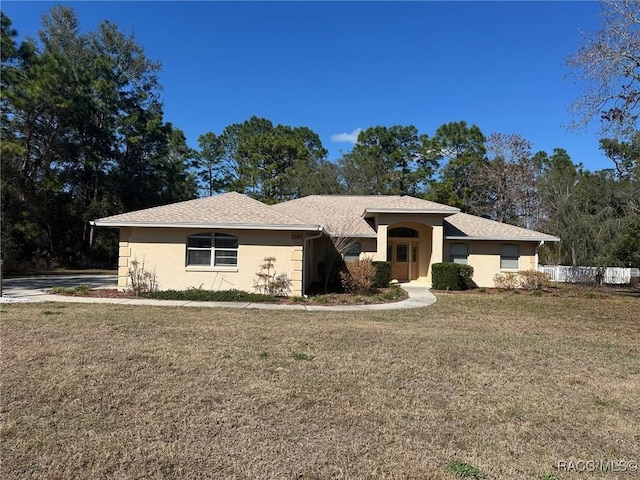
x=206 y=250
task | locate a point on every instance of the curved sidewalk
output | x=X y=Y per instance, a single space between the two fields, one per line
x=35 y=289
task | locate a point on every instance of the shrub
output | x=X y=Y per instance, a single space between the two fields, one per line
x=526 y=279
x=199 y=295
x=142 y=280
x=506 y=281
x=270 y=283
x=81 y=290
x=392 y=294
x=359 y=277
x=383 y=274
x=451 y=276
x=533 y=280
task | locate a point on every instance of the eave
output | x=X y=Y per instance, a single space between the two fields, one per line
x=229 y=226
x=415 y=211
x=505 y=238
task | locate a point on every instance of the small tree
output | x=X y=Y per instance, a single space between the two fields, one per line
x=269 y=282
x=340 y=241
x=142 y=280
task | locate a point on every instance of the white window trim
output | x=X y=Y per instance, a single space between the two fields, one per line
x=212 y=267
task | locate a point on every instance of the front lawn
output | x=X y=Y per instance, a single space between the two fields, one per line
x=508 y=385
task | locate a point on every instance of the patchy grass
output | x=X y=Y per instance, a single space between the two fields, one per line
x=507 y=385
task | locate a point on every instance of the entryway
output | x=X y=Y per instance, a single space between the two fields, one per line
x=403 y=256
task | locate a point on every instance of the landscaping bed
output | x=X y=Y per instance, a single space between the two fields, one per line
x=381 y=295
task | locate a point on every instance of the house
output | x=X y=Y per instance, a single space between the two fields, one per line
x=219 y=242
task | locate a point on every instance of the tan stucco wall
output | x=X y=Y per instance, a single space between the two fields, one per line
x=484 y=257
x=164 y=250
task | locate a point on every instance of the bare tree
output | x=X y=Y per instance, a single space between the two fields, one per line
x=339 y=242
x=607 y=65
x=505 y=185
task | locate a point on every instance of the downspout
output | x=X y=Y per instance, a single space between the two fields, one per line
x=539 y=245
x=304 y=258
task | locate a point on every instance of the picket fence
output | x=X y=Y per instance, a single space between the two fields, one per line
x=563 y=273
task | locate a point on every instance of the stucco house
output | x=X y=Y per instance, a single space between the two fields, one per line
x=219 y=242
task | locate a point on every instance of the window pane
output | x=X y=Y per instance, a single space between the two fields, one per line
x=509 y=262
x=226 y=241
x=200 y=241
x=509 y=251
x=198 y=257
x=458 y=249
x=402 y=232
x=509 y=255
x=401 y=252
x=227 y=257
x=354 y=249
x=458 y=259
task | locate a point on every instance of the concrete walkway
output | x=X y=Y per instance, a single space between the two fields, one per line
x=36 y=289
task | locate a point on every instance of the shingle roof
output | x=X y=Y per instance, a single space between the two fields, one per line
x=344 y=214
x=225 y=210
x=339 y=215
x=465 y=226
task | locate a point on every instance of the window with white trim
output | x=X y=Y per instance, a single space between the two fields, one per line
x=459 y=253
x=207 y=250
x=353 y=253
x=509 y=257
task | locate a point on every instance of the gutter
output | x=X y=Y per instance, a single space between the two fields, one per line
x=539 y=245
x=229 y=226
x=505 y=238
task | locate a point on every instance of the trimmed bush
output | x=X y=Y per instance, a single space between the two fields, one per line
x=199 y=295
x=383 y=274
x=451 y=276
x=359 y=277
x=530 y=280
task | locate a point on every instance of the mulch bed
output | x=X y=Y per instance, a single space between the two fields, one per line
x=329 y=299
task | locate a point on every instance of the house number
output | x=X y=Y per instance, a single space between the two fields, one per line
x=296 y=236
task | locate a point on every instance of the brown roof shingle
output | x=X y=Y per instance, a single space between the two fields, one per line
x=228 y=209
x=338 y=215
x=344 y=214
x=463 y=225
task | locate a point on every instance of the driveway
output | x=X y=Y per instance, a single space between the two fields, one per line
x=30 y=288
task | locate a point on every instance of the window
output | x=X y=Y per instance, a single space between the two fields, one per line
x=203 y=248
x=459 y=253
x=402 y=252
x=509 y=256
x=402 y=232
x=353 y=253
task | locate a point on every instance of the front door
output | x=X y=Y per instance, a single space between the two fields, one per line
x=400 y=261
x=404 y=260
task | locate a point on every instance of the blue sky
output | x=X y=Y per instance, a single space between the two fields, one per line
x=336 y=67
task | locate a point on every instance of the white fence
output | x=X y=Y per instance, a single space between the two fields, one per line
x=562 y=273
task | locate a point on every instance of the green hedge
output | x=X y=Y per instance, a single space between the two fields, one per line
x=198 y=295
x=451 y=276
x=383 y=274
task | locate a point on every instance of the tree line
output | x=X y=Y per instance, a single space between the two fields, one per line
x=84 y=136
